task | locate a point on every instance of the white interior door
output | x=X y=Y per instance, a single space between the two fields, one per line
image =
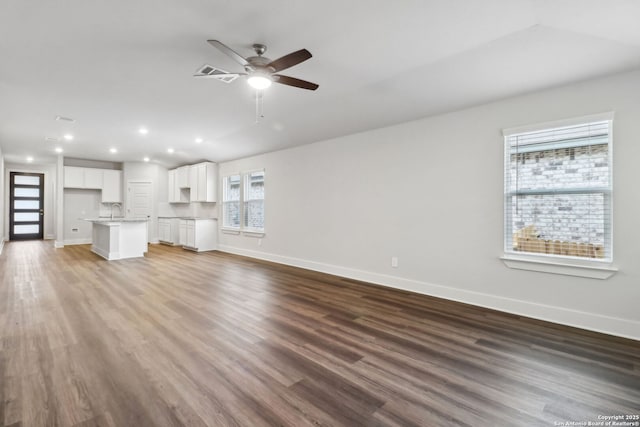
x=139 y=201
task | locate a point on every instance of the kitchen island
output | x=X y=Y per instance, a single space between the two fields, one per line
x=119 y=238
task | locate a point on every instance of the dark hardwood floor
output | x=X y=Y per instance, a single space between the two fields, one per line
x=179 y=338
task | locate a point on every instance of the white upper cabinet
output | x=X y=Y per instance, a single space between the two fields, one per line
x=175 y=194
x=107 y=180
x=200 y=185
x=112 y=186
x=182 y=177
x=204 y=177
x=73 y=177
x=171 y=195
x=93 y=178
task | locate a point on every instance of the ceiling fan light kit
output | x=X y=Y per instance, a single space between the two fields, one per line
x=259 y=80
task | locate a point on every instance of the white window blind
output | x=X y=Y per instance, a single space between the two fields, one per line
x=231 y=201
x=558 y=191
x=254 y=201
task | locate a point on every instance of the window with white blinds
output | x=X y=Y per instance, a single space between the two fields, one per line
x=231 y=201
x=558 y=191
x=243 y=202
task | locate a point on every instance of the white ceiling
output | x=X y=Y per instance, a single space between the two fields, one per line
x=117 y=65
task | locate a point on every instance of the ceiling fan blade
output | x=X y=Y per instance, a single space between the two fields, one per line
x=292 y=81
x=289 y=60
x=228 y=51
x=219 y=75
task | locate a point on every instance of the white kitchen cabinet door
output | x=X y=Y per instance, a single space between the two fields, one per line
x=73 y=177
x=183 y=177
x=183 y=233
x=193 y=183
x=202 y=182
x=168 y=231
x=112 y=186
x=175 y=193
x=164 y=231
x=172 y=185
x=93 y=178
x=212 y=182
x=191 y=234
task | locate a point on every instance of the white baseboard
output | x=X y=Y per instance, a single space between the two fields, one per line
x=580 y=319
x=78 y=241
x=49 y=236
x=1 y=245
x=58 y=244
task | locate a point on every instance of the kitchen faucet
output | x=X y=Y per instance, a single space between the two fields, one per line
x=119 y=207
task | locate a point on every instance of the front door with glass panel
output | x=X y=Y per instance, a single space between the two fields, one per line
x=26 y=206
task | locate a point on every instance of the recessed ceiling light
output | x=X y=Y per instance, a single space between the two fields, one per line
x=68 y=137
x=29 y=159
x=143 y=131
x=199 y=140
x=146 y=159
x=59 y=150
x=113 y=150
x=170 y=150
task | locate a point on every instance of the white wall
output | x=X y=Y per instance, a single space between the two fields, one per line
x=49 y=171
x=59 y=203
x=79 y=204
x=2 y=202
x=431 y=193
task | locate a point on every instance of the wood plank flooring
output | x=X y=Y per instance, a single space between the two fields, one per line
x=211 y=339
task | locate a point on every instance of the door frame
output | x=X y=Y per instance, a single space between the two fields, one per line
x=41 y=197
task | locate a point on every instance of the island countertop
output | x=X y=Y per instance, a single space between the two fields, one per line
x=107 y=219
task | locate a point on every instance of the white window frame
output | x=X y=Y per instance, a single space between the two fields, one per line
x=225 y=202
x=245 y=201
x=549 y=263
x=242 y=228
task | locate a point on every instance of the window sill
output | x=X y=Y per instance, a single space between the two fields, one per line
x=602 y=270
x=230 y=231
x=248 y=233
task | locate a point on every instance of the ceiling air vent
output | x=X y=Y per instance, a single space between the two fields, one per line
x=51 y=139
x=65 y=119
x=208 y=70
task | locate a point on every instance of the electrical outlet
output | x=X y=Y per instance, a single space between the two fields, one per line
x=394 y=261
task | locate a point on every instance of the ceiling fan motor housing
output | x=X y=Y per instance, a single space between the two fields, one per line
x=258 y=63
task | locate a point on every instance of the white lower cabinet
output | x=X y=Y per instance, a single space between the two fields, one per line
x=198 y=234
x=168 y=231
x=182 y=234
